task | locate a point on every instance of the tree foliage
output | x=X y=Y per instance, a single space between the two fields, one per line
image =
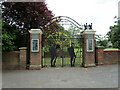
x=26 y=15
x=101 y=41
x=11 y=38
x=114 y=35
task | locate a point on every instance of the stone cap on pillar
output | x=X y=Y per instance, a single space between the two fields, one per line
x=23 y=48
x=102 y=47
x=35 y=31
x=89 y=31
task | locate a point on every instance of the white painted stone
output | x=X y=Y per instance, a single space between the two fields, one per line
x=89 y=31
x=36 y=31
x=22 y=48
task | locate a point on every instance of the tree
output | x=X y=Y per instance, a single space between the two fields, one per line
x=27 y=15
x=114 y=34
x=10 y=38
x=101 y=41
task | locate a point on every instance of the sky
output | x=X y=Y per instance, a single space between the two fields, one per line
x=99 y=12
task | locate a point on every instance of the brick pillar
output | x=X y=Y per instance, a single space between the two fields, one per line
x=119 y=56
x=99 y=55
x=88 y=48
x=35 y=49
x=23 y=53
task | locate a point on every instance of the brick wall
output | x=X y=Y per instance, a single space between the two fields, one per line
x=111 y=56
x=107 y=56
x=10 y=60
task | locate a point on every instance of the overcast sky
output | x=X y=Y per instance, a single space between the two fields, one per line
x=99 y=12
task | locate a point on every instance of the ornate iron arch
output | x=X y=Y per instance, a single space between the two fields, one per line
x=64 y=38
x=60 y=18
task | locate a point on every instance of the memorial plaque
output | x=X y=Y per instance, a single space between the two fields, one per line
x=35 y=45
x=89 y=45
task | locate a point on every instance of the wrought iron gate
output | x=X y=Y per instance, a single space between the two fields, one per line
x=57 y=46
x=63 y=57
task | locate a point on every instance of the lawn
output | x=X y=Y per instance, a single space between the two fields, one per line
x=64 y=62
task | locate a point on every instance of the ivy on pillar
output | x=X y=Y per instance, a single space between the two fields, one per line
x=35 y=49
x=88 y=48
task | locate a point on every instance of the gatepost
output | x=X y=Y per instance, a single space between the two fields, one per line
x=35 y=49
x=88 y=48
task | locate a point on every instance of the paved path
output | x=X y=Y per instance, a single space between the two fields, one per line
x=93 y=77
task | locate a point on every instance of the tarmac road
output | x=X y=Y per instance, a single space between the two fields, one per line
x=66 y=77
